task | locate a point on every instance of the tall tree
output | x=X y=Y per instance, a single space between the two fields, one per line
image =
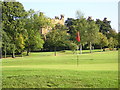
x=12 y=15
x=57 y=37
x=112 y=33
x=92 y=32
x=104 y=26
x=111 y=43
x=102 y=40
x=5 y=42
x=33 y=37
x=78 y=25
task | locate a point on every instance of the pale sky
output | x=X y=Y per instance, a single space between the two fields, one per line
x=98 y=9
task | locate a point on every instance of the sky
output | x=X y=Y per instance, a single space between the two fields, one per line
x=97 y=9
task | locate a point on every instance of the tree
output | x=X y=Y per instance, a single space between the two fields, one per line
x=104 y=26
x=34 y=40
x=78 y=25
x=115 y=42
x=12 y=15
x=5 y=42
x=112 y=33
x=73 y=46
x=57 y=37
x=92 y=32
x=102 y=40
x=111 y=43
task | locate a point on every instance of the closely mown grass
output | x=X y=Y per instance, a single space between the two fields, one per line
x=44 y=70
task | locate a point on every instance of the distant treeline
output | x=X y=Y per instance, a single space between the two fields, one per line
x=21 y=32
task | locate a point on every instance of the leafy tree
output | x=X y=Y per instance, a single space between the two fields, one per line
x=102 y=41
x=34 y=40
x=112 y=33
x=104 y=26
x=12 y=15
x=112 y=43
x=73 y=47
x=5 y=42
x=56 y=38
x=92 y=32
x=77 y=25
x=115 y=42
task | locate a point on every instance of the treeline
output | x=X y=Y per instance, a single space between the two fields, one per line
x=94 y=34
x=21 y=31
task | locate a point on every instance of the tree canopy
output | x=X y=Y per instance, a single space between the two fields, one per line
x=21 y=31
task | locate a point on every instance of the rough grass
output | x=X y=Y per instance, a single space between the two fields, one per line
x=43 y=70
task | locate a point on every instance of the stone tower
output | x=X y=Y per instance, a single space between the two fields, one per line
x=54 y=21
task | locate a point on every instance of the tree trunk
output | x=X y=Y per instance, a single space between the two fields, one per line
x=5 y=51
x=55 y=51
x=101 y=49
x=90 y=47
x=80 y=48
x=13 y=52
x=28 y=50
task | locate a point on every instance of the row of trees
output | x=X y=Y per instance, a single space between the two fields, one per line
x=97 y=33
x=21 y=31
x=92 y=33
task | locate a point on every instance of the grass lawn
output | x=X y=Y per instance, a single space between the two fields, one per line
x=43 y=70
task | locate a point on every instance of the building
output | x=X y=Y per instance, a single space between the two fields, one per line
x=54 y=21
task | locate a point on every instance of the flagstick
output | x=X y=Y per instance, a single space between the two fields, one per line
x=77 y=56
x=78 y=39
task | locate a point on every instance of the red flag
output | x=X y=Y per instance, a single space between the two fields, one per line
x=78 y=37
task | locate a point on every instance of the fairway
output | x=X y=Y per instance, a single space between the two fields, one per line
x=44 y=70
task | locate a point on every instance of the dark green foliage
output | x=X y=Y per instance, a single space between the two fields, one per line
x=104 y=26
x=21 y=28
x=87 y=28
x=21 y=31
x=57 y=37
x=102 y=40
x=13 y=25
x=33 y=38
x=113 y=43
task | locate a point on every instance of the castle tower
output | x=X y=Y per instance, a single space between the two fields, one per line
x=55 y=21
x=62 y=19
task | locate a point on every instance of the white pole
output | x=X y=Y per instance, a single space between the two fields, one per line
x=77 y=57
x=80 y=48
